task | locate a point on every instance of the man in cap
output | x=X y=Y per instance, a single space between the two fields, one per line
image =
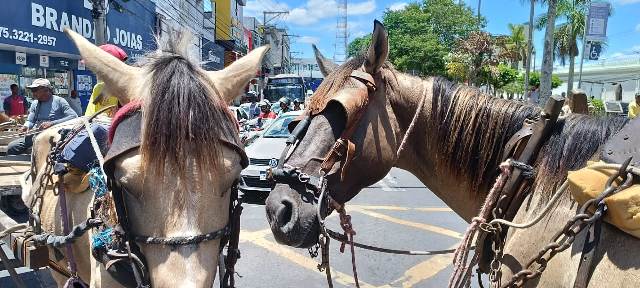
x=45 y=111
x=98 y=100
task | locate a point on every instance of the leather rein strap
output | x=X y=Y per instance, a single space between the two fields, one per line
x=344 y=149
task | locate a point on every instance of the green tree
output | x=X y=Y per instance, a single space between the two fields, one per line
x=359 y=45
x=422 y=34
x=534 y=79
x=571 y=14
x=517 y=44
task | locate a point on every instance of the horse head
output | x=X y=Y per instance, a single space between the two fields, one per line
x=177 y=181
x=351 y=104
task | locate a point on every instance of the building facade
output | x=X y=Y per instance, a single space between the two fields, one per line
x=307 y=68
x=230 y=32
x=278 y=59
x=33 y=44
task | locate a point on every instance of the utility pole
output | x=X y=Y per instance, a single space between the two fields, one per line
x=99 y=15
x=289 y=50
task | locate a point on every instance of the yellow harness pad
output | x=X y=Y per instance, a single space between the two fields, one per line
x=623 y=207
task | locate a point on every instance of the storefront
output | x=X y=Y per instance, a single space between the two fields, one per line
x=33 y=45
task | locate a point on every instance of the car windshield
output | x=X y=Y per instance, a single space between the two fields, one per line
x=279 y=127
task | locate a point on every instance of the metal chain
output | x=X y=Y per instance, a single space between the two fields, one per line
x=567 y=235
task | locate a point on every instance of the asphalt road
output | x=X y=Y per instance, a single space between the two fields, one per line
x=397 y=212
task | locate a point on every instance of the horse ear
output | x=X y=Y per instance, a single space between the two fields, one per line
x=117 y=75
x=378 y=50
x=326 y=66
x=232 y=80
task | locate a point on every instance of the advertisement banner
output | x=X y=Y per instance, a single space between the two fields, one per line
x=597 y=21
x=39 y=24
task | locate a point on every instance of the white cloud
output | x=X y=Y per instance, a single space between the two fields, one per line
x=311 y=12
x=309 y=40
x=398 y=6
x=254 y=8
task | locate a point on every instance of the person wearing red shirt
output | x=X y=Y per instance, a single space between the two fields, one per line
x=15 y=105
x=265 y=111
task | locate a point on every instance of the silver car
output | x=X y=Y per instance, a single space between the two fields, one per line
x=264 y=153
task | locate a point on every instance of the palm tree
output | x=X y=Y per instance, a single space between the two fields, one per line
x=527 y=62
x=573 y=13
x=517 y=44
x=547 y=52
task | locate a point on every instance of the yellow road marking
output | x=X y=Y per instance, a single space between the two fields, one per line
x=418 y=225
x=424 y=270
x=257 y=238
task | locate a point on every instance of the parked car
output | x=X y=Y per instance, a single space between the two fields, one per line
x=263 y=153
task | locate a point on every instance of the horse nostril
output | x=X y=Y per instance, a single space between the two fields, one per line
x=284 y=214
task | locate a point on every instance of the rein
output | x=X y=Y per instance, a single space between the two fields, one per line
x=126 y=137
x=342 y=151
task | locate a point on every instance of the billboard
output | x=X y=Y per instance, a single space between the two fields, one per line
x=597 y=21
x=39 y=24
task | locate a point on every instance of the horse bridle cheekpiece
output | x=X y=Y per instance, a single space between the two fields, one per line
x=343 y=150
x=120 y=252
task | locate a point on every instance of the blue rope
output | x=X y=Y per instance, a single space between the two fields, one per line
x=102 y=239
x=96 y=182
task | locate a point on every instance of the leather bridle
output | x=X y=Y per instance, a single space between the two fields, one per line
x=127 y=138
x=343 y=151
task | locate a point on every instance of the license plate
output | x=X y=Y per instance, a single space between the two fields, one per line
x=263 y=175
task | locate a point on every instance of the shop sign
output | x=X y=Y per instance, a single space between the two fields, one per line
x=212 y=55
x=44 y=61
x=21 y=58
x=41 y=23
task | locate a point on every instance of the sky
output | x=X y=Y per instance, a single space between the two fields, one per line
x=314 y=21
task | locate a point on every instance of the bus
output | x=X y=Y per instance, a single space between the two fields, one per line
x=285 y=85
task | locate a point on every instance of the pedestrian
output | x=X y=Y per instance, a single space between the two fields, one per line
x=296 y=105
x=74 y=102
x=45 y=111
x=266 y=113
x=98 y=100
x=634 y=107
x=284 y=105
x=254 y=109
x=15 y=105
x=534 y=95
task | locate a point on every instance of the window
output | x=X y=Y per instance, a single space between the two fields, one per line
x=208 y=6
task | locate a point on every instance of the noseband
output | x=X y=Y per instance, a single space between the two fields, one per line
x=126 y=138
x=343 y=150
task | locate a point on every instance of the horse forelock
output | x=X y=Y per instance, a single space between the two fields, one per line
x=184 y=117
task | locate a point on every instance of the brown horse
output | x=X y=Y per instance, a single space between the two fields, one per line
x=178 y=182
x=451 y=137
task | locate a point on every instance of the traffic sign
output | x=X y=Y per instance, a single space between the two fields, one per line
x=594 y=50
